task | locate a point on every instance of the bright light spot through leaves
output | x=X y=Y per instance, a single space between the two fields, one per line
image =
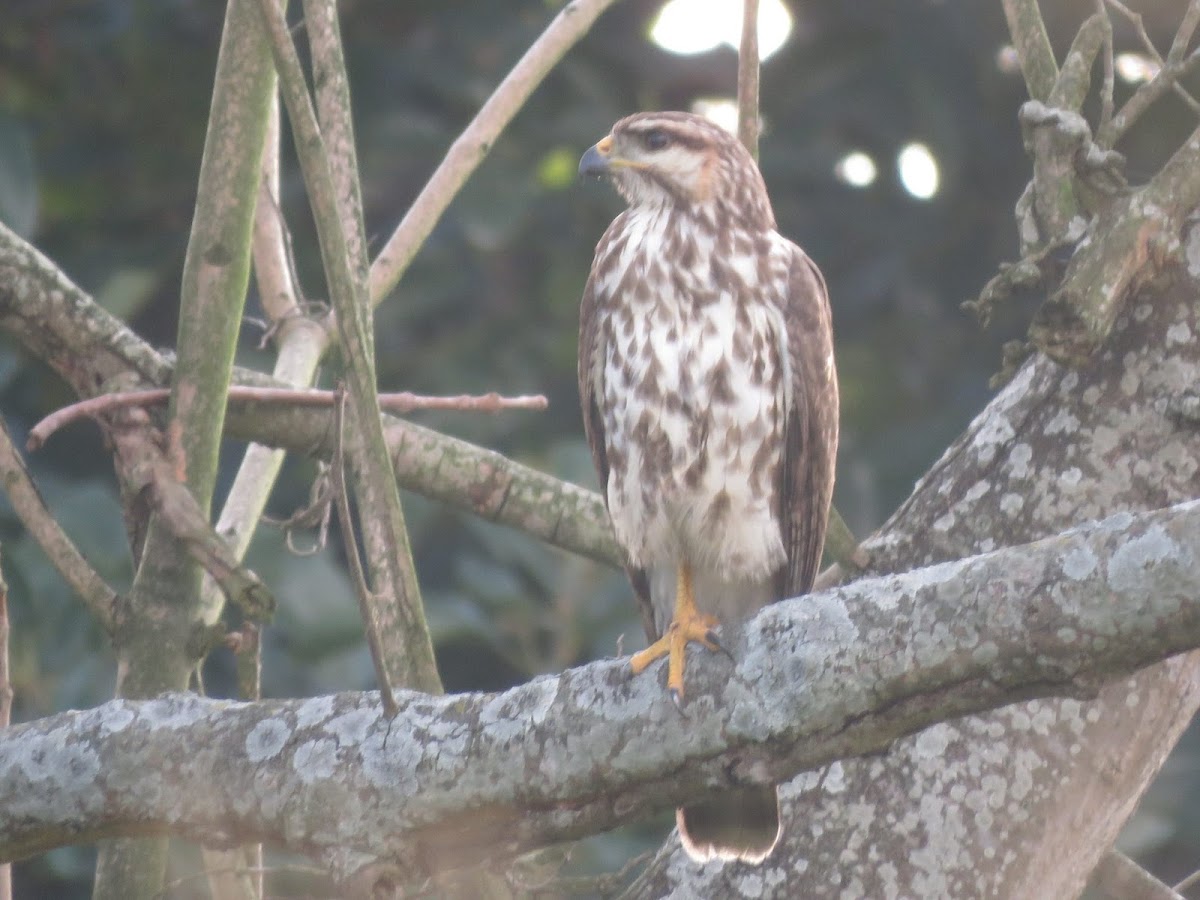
x=696 y=26
x=856 y=169
x=723 y=112
x=1135 y=67
x=918 y=170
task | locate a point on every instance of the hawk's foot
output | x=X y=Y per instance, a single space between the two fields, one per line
x=688 y=624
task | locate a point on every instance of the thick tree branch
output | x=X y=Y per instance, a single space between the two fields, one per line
x=456 y=779
x=62 y=325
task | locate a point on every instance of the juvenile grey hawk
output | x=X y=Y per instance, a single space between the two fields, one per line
x=710 y=402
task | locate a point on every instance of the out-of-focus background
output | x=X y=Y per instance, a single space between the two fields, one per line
x=892 y=154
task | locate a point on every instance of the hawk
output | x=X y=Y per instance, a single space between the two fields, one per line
x=710 y=402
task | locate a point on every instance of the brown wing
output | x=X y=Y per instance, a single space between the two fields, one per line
x=810 y=453
x=591 y=393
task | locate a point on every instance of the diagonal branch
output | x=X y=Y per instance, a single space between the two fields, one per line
x=469 y=150
x=62 y=325
x=747 y=83
x=97 y=596
x=327 y=162
x=1033 y=48
x=589 y=749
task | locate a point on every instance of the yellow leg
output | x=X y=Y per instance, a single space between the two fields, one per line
x=687 y=624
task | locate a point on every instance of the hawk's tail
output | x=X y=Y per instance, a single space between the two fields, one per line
x=741 y=824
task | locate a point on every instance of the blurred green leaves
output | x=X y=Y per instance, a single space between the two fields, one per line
x=18 y=185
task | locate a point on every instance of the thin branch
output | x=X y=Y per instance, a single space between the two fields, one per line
x=1033 y=47
x=470 y=148
x=159 y=477
x=1140 y=27
x=270 y=244
x=362 y=590
x=400 y=403
x=95 y=593
x=1120 y=878
x=1183 y=35
x=840 y=543
x=456 y=781
x=328 y=169
x=171 y=887
x=1188 y=882
x=1166 y=79
x=748 y=72
x=1106 y=88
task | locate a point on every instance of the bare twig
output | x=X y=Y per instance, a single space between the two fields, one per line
x=604 y=885
x=1106 y=89
x=326 y=157
x=156 y=475
x=399 y=403
x=362 y=590
x=63 y=554
x=748 y=72
x=469 y=150
x=1188 y=882
x=1145 y=96
x=840 y=541
x=271 y=243
x=1139 y=26
x=316 y=514
x=1183 y=35
x=258 y=870
x=1120 y=878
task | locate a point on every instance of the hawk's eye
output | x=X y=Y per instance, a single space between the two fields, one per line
x=655 y=139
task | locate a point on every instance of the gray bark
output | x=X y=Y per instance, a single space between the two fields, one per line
x=456 y=780
x=1021 y=802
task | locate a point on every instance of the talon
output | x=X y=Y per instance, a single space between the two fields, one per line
x=687 y=624
x=677 y=699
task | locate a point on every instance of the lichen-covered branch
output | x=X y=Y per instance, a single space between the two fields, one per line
x=1051 y=781
x=1033 y=48
x=1135 y=231
x=454 y=780
x=60 y=323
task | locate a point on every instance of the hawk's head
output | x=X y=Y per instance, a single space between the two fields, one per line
x=684 y=161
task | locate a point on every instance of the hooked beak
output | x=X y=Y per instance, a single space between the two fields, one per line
x=597 y=160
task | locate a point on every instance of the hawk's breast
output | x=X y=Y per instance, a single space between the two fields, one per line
x=695 y=394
